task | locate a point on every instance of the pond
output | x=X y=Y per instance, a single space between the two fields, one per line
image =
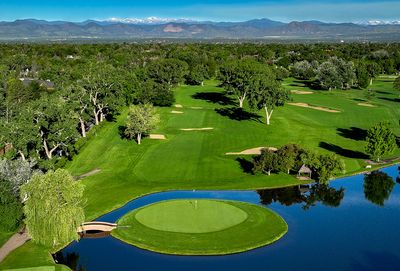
x=352 y=224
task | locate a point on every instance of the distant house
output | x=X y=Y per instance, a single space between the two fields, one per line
x=43 y=83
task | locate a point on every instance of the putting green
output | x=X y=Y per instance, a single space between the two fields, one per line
x=191 y=216
x=200 y=227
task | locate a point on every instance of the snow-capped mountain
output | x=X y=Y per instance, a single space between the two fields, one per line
x=149 y=20
x=380 y=22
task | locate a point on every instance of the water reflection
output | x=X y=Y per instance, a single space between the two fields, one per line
x=377 y=187
x=307 y=195
x=72 y=259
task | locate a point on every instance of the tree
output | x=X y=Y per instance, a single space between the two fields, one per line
x=54 y=125
x=328 y=76
x=103 y=86
x=168 y=71
x=377 y=187
x=303 y=70
x=141 y=120
x=380 y=141
x=267 y=93
x=78 y=101
x=53 y=207
x=326 y=166
x=266 y=162
x=155 y=93
x=287 y=156
x=197 y=75
x=10 y=207
x=241 y=77
x=362 y=75
x=17 y=172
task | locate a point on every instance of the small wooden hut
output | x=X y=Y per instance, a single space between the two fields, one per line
x=304 y=172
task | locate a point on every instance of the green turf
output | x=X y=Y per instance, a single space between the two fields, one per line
x=40 y=268
x=261 y=227
x=30 y=255
x=191 y=216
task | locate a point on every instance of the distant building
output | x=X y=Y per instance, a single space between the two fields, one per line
x=43 y=83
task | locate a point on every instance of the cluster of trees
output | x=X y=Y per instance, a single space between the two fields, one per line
x=248 y=79
x=291 y=157
x=336 y=73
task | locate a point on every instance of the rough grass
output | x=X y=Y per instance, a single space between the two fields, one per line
x=190 y=216
x=261 y=227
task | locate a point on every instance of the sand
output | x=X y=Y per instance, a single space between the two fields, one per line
x=157 y=136
x=197 y=129
x=253 y=151
x=301 y=92
x=366 y=104
x=315 y=107
x=178 y=106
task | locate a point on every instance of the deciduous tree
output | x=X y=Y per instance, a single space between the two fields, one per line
x=53 y=207
x=141 y=120
x=380 y=141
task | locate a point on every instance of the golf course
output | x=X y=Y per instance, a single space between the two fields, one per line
x=116 y=170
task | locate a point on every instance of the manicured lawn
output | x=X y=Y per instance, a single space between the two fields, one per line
x=186 y=228
x=190 y=216
x=31 y=255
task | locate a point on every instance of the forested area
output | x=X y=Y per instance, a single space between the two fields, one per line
x=54 y=97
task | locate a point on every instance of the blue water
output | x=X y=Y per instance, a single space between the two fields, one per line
x=356 y=235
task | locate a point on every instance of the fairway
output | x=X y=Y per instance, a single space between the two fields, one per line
x=208 y=227
x=191 y=216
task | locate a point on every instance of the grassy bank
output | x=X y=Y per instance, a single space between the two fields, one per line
x=213 y=227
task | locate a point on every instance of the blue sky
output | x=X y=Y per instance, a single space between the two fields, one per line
x=219 y=10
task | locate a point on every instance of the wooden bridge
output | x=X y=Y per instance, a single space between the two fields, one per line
x=97 y=226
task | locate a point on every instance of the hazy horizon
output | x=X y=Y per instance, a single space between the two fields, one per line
x=214 y=10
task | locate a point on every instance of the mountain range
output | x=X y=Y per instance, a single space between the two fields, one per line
x=158 y=28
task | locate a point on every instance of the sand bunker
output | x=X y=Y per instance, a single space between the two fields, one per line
x=197 y=129
x=157 y=136
x=178 y=106
x=90 y=173
x=253 y=151
x=301 y=92
x=176 y=112
x=366 y=104
x=196 y=107
x=315 y=107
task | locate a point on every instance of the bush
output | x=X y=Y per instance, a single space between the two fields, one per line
x=10 y=208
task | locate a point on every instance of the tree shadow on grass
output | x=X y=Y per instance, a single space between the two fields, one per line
x=214 y=97
x=354 y=133
x=307 y=83
x=121 y=132
x=382 y=92
x=236 y=113
x=246 y=165
x=343 y=152
x=396 y=100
